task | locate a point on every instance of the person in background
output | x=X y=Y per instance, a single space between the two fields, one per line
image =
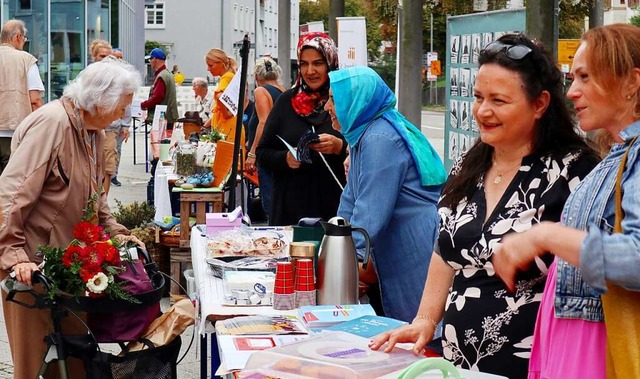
x=305 y=189
x=99 y=50
x=393 y=187
x=57 y=166
x=117 y=53
x=570 y=337
x=121 y=127
x=162 y=92
x=20 y=84
x=527 y=161
x=222 y=119
x=267 y=74
x=178 y=77
x=204 y=98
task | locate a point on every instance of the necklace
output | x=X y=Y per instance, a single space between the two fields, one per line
x=498 y=178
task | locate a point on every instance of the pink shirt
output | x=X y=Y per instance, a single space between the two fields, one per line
x=566 y=348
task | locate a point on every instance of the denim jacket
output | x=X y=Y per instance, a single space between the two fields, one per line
x=384 y=196
x=603 y=256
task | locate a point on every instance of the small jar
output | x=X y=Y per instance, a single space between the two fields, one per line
x=186 y=159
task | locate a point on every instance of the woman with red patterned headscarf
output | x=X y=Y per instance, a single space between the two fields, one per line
x=308 y=183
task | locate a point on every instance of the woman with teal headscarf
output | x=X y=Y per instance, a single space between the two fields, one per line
x=395 y=179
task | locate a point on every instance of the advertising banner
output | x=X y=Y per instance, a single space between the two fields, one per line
x=352 y=41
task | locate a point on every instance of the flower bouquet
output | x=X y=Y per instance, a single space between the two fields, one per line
x=120 y=295
x=88 y=266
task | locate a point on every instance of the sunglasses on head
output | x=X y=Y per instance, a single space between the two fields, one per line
x=515 y=52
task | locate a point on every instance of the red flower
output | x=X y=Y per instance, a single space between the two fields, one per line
x=89 y=271
x=74 y=253
x=87 y=232
x=109 y=253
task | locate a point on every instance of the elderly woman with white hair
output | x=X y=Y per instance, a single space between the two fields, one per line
x=56 y=166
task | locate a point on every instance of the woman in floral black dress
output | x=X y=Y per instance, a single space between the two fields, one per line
x=527 y=161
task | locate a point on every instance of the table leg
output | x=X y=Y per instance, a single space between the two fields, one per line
x=215 y=356
x=146 y=147
x=134 y=140
x=203 y=357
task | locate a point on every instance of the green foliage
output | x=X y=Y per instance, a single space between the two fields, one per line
x=63 y=279
x=386 y=68
x=635 y=19
x=150 y=45
x=135 y=214
x=319 y=11
x=146 y=234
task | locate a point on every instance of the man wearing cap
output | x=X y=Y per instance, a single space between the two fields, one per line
x=163 y=90
x=20 y=84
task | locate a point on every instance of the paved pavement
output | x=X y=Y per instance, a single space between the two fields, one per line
x=134 y=180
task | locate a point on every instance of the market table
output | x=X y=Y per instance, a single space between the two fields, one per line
x=210 y=293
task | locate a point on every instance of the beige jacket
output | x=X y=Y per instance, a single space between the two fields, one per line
x=14 y=94
x=46 y=185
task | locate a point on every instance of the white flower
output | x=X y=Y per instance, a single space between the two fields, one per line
x=98 y=283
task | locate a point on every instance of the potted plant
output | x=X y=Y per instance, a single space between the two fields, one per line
x=134 y=215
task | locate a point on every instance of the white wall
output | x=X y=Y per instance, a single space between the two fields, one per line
x=192 y=27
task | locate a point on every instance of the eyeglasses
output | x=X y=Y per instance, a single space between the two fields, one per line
x=515 y=52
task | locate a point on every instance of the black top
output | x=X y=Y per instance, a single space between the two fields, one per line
x=310 y=190
x=252 y=126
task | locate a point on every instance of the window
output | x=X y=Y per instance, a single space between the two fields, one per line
x=154 y=15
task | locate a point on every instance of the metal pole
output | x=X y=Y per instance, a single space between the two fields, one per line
x=244 y=54
x=431 y=50
x=284 y=41
x=398 y=59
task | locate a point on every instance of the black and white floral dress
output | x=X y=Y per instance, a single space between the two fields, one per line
x=485 y=327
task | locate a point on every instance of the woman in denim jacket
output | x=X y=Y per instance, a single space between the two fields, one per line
x=570 y=336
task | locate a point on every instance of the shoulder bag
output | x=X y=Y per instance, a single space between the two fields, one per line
x=622 y=309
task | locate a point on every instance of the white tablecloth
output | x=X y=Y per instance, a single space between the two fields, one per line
x=161 y=195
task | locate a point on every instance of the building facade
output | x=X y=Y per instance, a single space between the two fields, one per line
x=189 y=28
x=60 y=32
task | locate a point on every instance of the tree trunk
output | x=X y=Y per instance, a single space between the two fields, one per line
x=542 y=23
x=410 y=86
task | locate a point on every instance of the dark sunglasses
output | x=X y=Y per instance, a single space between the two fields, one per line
x=515 y=52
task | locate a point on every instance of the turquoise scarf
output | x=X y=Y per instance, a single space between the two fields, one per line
x=361 y=96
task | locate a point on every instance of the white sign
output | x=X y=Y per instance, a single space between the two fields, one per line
x=231 y=96
x=352 y=41
x=156 y=117
x=136 y=109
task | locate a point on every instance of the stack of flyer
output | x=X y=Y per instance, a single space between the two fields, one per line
x=318 y=317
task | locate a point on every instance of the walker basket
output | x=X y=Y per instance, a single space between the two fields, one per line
x=151 y=363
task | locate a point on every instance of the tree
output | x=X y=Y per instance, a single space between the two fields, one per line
x=319 y=11
x=150 y=45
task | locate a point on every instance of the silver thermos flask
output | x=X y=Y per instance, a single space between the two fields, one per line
x=338 y=263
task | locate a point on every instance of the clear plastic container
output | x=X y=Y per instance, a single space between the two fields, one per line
x=191 y=283
x=186 y=159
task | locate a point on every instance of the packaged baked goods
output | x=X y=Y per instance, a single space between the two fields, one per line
x=248 y=242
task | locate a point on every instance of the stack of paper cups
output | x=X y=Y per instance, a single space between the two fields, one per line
x=305 y=283
x=283 y=289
